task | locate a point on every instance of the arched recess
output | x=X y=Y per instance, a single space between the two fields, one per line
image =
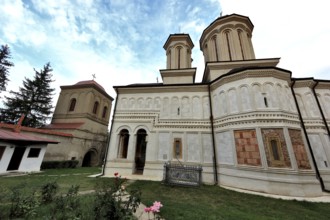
x=140 y=151
x=123 y=143
x=91 y=158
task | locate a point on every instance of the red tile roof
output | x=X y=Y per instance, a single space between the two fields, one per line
x=11 y=136
x=36 y=130
x=64 y=125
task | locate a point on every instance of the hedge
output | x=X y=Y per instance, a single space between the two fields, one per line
x=59 y=164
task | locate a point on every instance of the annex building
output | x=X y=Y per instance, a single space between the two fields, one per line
x=249 y=123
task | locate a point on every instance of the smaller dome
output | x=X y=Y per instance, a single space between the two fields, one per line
x=90 y=82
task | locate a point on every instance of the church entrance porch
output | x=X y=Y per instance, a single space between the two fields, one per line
x=140 y=152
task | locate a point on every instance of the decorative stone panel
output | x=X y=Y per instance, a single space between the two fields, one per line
x=299 y=149
x=247 y=149
x=283 y=160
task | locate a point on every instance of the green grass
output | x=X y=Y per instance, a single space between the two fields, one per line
x=64 y=177
x=205 y=202
x=213 y=202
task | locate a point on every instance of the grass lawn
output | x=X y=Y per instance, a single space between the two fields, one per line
x=205 y=202
x=213 y=202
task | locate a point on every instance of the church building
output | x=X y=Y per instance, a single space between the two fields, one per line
x=249 y=123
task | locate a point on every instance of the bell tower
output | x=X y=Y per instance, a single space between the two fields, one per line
x=178 y=60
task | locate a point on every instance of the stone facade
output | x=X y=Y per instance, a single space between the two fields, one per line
x=248 y=123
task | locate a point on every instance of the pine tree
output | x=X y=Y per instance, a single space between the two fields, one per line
x=34 y=100
x=5 y=64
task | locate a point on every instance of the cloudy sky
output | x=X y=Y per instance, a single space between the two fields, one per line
x=121 y=41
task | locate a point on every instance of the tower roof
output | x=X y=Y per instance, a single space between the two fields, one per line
x=224 y=19
x=177 y=37
x=88 y=84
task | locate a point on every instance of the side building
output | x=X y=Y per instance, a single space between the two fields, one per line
x=83 y=110
x=249 y=123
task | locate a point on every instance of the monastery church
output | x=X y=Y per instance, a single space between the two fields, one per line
x=248 y=123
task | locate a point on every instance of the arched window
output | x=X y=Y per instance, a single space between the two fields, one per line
x=214 y=39
x=123 y=143
x=104 y=113
x=72 y=104
x=96 y=105
x=228 y=44
x=179 y=55
x=240 y=42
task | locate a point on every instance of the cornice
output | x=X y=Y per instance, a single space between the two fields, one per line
x=252 y=73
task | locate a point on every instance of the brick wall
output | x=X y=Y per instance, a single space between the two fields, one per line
x=277 y=133
x=299 y=149
x=247 y=149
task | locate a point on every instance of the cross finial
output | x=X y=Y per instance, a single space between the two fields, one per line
x=157 y=79
x=94 y=77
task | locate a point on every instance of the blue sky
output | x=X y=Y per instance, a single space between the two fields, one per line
x=121 y=41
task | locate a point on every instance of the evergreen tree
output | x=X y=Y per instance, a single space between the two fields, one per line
x=5 y=64
x=34 y=100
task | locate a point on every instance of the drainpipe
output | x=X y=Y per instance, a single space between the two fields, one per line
x=317 y=172
x=108 y=141
x=321 y=111
x=215 y=170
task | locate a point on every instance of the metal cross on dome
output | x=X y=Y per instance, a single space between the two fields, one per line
x=94 y=76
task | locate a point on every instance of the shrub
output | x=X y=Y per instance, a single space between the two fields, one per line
x=48 y=192
x=113 y=202
x=59 y=164
x=22 y=205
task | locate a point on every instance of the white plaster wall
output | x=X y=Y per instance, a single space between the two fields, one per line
x=193 y=146
x=225 y=147
x=207 y=148
x=33 y=163
x=4 y=162
x=318 y=150
x=164 y=146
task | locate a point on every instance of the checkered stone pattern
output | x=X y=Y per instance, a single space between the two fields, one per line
x=276 y=132
x=299 y=149
x=247 y=148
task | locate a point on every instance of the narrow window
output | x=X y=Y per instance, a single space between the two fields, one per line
x=240 y=42
x=34 y=152
x=215 y=47
x=275 y=151
x=228 y=45
x=2 y=150
x=265 y=101
x=105 y=109
x=177 y=148
x=96 y=105
x=179 y=56
x=72 y=105
x=274 y=148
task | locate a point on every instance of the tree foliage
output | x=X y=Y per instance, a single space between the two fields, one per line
x=34 y=100
x=5 y=64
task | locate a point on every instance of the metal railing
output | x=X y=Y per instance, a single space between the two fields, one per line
x=185 y=175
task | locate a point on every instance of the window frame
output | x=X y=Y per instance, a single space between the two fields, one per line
x=277 y=140
x=179 y=151
x=73 y=103
x=34 y=152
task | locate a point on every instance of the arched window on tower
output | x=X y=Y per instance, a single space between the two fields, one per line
x=240 y=42
x=104 y=113
x=228 y=44
x=178 y=50
x=95 y=107
x=214 y=39
x=72 y=104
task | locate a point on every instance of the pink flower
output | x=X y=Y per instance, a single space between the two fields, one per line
x=147 y=209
